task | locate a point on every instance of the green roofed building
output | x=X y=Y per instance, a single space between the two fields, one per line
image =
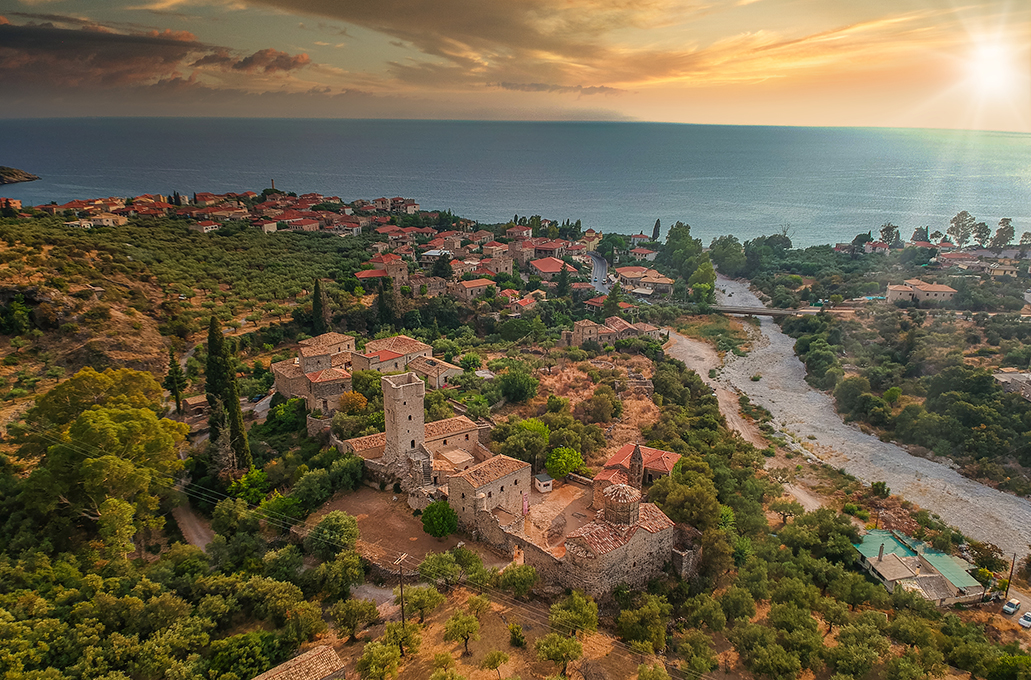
x=900 y=561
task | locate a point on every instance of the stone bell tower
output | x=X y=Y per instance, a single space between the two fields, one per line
x=403 y=417
x=636 y=465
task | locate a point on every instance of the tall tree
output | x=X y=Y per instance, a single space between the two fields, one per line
x=655 y=230
x=223 y=395
x=1003 y=236
x=562 y=286
x=961 y=228
x=611 y=305
x=920 y=234
x=442 y=268
x=175 y=381
x=889 y=233
x=982 y=234
x=319 y=309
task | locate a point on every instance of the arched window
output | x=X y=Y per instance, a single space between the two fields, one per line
x=413 y=444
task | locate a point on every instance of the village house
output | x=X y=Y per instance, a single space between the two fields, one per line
x=615 y=328
x=643 y=254
x=876 y=247
x=434 y=371
x=916 y=290
x=635 y=465
x=499 y=264
x=205 y=227
x=899 y=561
x=435 y=285
x=319 y=373
x=548 y=268
x=519 y=232
x=467 y=291
x=493 y=249
x=389 y=355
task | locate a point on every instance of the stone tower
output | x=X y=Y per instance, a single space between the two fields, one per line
x=636 y=473
x=403 y=415
x=622 y=504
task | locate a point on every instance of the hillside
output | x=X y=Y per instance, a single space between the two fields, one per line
x=121 y=296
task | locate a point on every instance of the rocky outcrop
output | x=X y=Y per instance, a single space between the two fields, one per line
x=14 y=175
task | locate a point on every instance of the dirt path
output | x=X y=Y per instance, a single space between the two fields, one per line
x=806 y=498
x=195 y=530
x=700 y=357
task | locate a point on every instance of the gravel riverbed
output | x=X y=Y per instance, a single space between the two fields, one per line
x=977 y=510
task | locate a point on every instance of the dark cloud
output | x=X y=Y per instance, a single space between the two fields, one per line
x=562 y=89
x=270 y=61
x=93 y=55
x=69 y=58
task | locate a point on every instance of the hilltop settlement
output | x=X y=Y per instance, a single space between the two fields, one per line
x=277 y=436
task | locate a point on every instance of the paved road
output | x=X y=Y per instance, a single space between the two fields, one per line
x=600 y=273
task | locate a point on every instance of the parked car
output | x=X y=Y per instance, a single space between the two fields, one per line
x=1011 y=607
x=1025 y=620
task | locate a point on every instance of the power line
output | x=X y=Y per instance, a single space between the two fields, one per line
x=287 y=523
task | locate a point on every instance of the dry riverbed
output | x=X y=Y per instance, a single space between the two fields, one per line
x=807 y=415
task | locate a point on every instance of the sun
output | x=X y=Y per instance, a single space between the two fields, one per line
x=991 y=69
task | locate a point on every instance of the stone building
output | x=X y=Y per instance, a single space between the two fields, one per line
x=418 y=455
x=315 y=664
x=434 y=371
x=635 y=466
x=498 y=482
x=919 y=291
x=319 y=372
x=389 y=355
x=614 y=328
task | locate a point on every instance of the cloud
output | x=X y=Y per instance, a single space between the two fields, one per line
x=562 y=89
x=95 y=56
x=270 y=61
x=3 y=20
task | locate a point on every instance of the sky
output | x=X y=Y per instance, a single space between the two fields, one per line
x=882 y=63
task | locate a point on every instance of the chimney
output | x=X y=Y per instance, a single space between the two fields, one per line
x=880 y=553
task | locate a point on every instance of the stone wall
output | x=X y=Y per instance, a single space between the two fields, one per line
x=317 y=425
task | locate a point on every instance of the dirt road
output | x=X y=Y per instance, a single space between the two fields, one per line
x=700 y=357
x=195 y=530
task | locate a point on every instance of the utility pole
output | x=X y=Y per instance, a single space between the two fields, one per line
x=1010 y=581
x=401 y=575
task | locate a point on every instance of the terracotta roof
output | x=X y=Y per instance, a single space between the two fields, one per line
x=327 y=375
x=371 y=274
x=287 y=369
x=314 y=664
x=551 y=265
x=602 y=537
x=369 y=441
x=934 y=288
x=614 y=475
x=326 y=340
x=383 y=355
x=642 y=251
x=618 y=324
x=196 y=401
x=596 y=302
x=434 y=367
x=490 y=470
x=475 y=283
x=654 y=459
x=398 y=343
x=645 y=327
x=622 y=493
x=448 y=426
x=631 y=271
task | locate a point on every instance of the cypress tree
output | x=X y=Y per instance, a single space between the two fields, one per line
x=175 y=381
x=655 y=231
x=319 y=309
x=215 y=377
x=562 y=287
x=224 y=395
x=611 y=305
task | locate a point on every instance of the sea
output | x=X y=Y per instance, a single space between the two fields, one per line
x=818 y=185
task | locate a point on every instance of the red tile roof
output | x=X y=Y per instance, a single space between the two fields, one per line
x=602 y=537
x=383 y=355
x=371 y=274
x=551 y=265
x=654 y=459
